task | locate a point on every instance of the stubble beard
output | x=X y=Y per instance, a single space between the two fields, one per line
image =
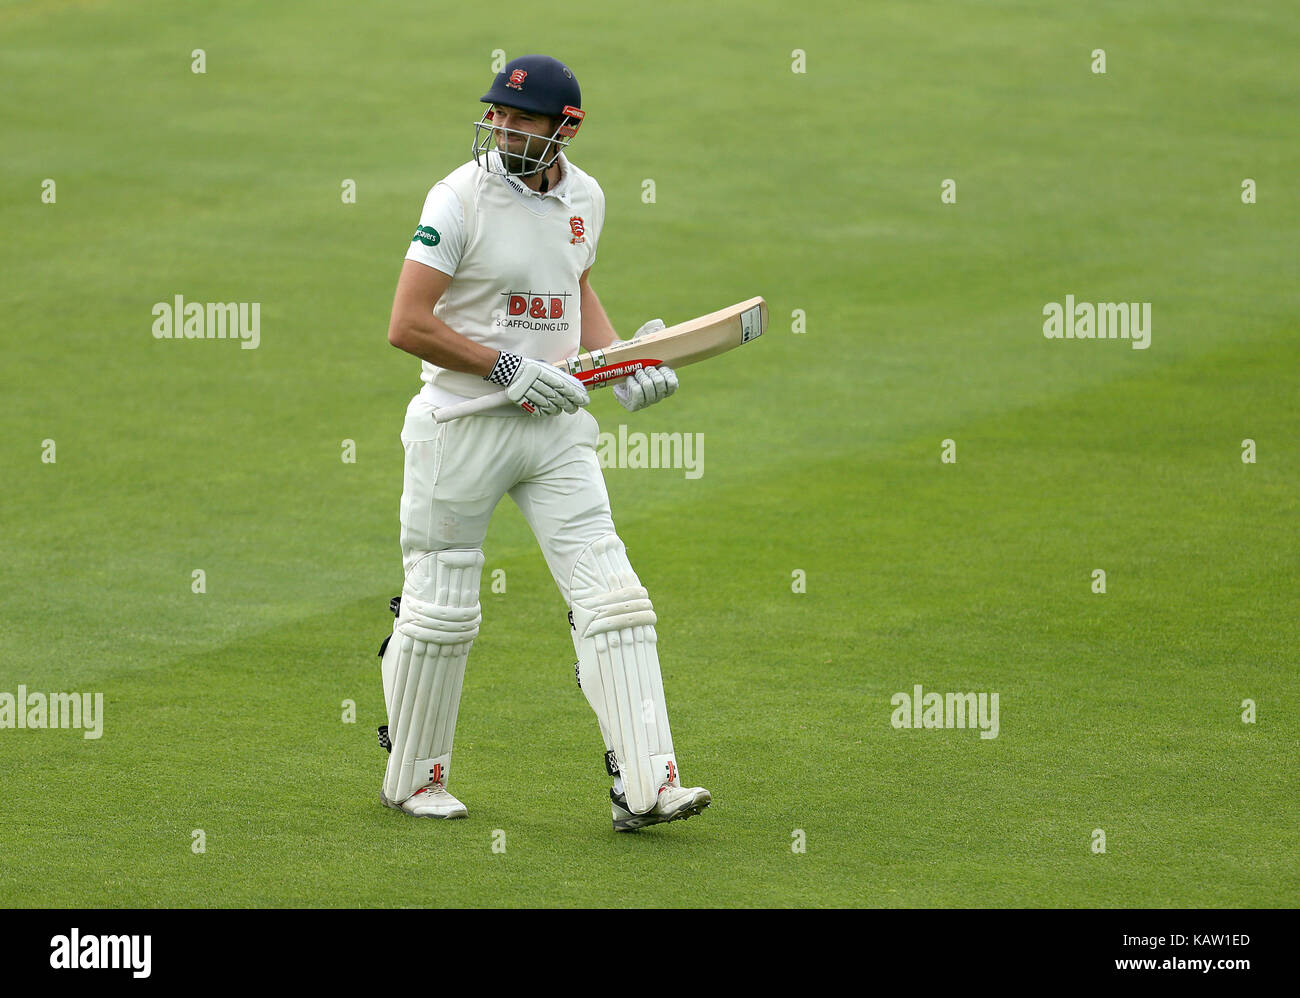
x=514 y=162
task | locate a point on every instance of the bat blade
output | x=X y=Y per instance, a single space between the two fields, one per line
x=676 y=346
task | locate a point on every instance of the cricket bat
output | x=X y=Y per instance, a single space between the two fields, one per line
x=685 y=343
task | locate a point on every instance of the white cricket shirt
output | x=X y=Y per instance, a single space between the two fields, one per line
x=515 y=285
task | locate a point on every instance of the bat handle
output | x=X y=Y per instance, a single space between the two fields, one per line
x=470 y=406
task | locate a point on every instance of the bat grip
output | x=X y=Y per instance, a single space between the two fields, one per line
x=470 y=406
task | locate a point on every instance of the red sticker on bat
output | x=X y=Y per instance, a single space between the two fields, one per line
x=611 y=372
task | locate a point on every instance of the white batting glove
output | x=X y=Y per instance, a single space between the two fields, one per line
x=653 y=326
x=536 y=387
x=650 y=385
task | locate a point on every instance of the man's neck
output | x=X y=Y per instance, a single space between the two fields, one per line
x=534 y=182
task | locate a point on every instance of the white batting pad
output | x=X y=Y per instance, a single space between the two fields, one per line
x=424 y=666
x=618 y=668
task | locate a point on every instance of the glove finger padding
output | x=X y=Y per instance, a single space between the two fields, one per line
x=545 y=401
x=641 y=389
x=653 y=326
x=547 y=390
x=630 y=394
x=657 y=389
x=570 y=392
x=646 y=387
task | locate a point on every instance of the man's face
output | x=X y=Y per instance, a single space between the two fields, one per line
x=534 y=144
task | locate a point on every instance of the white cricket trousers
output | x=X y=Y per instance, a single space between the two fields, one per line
x=457 y=472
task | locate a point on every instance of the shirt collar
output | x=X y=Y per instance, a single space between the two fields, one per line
x=562 y=191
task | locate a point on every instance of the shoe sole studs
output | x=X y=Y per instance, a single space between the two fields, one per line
x=690 y=811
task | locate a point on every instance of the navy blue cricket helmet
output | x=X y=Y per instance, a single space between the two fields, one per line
x=536 y=83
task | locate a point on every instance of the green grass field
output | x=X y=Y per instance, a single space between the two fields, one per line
x=819 y=190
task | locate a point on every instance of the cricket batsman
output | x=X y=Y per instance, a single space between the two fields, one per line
x=495 y=288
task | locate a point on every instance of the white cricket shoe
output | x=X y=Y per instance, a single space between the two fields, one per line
x=671 y=804
x=432 y=801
